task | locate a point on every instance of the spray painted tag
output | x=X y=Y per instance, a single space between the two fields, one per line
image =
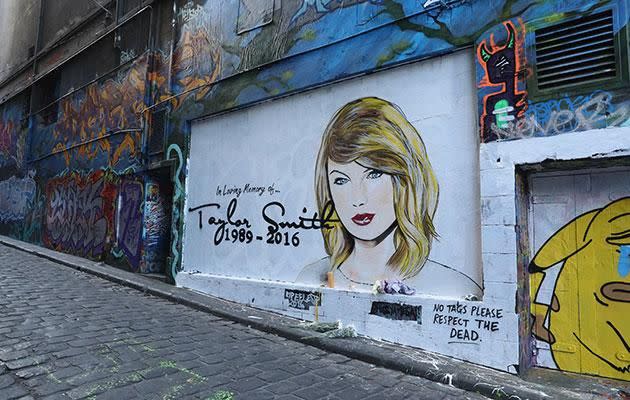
x=624 y=261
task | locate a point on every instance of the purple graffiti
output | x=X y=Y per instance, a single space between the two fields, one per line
x=129 y=232
x=75 y=220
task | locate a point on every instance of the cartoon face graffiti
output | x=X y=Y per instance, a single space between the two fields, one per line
x=589 y=328
x=501 y=66
x=363 y=198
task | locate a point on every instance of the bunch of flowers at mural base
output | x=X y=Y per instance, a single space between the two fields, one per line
x=392 y=287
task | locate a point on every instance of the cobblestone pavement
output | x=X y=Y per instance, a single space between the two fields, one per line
x=68 y=335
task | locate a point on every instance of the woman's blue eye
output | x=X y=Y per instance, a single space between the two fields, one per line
x=374 y=174
x=340 y=181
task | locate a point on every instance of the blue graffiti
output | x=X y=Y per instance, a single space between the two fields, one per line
x=624 y=261
x=16 y=197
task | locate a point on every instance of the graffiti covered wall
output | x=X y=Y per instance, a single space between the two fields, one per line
x=80 y=213
x=97 y=127
x=129 y=217
x=70 y=171
x=157 y=225
x=12 y=133
x=16 y=197
x=506 y=59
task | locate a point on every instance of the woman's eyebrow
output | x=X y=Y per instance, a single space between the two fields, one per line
x=339 y=172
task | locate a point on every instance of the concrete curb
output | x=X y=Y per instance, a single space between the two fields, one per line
x=488 y=382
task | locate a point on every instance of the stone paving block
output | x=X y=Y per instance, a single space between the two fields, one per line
x=126 y=392
x=6 y=380
x=65 y=373
x=161 y=385
x=246 y=384
x=271 y=375
x=26 y=362
x=356 y=393
x=295 y=368
x=241 y=373
x=30 y=372
x=46 y=348
x=50 y=388
x=211 y=369
x=341 y=383
x=14 y=355
x=313 y=393
x=56 y=396
x=219 y=381
x=13 y=392
x=326 y=372
x=152 y=373
x=284 y=387
x=133 y=366
x=69 y=352
x=307 y=379
x=89 y=375
x=260 y=394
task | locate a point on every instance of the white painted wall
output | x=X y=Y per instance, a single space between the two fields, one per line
x=276 y=144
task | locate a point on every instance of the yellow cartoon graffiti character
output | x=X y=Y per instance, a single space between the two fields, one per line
x=587 y=323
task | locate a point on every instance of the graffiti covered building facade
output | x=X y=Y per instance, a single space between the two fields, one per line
x=451 y=183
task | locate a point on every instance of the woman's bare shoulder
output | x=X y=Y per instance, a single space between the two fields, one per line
x=439 y=279
x=314 y=273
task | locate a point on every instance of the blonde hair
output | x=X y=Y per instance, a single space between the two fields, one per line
x=376 y=133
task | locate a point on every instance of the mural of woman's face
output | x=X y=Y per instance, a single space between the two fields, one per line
x=363 y=198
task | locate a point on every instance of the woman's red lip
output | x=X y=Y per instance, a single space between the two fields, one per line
x=362 y=219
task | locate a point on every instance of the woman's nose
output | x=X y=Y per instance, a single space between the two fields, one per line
x=360 y=196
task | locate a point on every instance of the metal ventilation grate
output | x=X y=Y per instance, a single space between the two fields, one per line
x=576 y=52
x=158 y=128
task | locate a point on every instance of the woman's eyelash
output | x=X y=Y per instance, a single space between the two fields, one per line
x=340 y=181
x=374 y=174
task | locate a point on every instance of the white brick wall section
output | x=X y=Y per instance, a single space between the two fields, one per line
x=499 y=268
x=497 y=182
x=501 y=294
x=498 y=239
x=498 y=210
